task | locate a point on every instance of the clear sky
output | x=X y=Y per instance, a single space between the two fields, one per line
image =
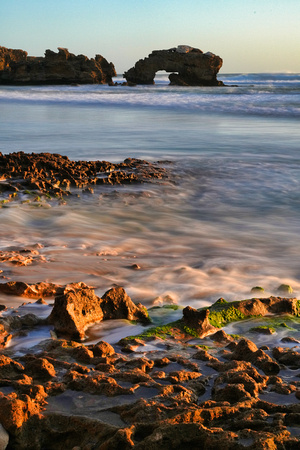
x=250 y=35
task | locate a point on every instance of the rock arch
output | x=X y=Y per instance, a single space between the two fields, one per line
x=192 y=67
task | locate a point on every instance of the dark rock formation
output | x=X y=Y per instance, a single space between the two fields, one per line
x=198 y=320
x=17 y=68
x=193 y=67
x=77 y=308
x=54 y=175
x=116 y=304
x=74 y=310
x=247 y=351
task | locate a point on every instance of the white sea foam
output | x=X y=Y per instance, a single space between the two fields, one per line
x=263 y=94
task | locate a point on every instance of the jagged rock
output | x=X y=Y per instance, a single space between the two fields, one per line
x=102 y=349
x=14 y=411
x=29 y=290
x=116 y=304
x=246 y=350
x=39 y=368
x=193 y=67
x=74 y=310
x=287 y=357
x=10 y=369
x=239 y=385
x=16 y=67
x=54 y=175
x=79 y=307
x=198 y=320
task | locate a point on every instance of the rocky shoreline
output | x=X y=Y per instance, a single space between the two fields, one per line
x=31 y=177
x=188 y=383
x=165 y=388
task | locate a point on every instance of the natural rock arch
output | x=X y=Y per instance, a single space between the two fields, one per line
x=193 y=67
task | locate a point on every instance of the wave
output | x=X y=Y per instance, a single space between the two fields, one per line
x=247 y=94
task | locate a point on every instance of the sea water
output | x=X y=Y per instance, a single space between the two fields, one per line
x=228 y=220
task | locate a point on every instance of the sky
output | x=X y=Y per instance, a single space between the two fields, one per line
x=249 y=35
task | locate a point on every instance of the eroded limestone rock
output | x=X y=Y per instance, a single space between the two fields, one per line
x=77 y=308
x=189 y=66
x=16 y=67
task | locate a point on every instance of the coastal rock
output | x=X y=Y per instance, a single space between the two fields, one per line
x=54 y=176
x=102 y=349
x=288 y=357
x=73 y=311
x=16 y=67
x=246 y=350
x=192 y=67
x=10 y=369
x=116 y=304
x=198 y=320
x=29 y=290
x=79 y=307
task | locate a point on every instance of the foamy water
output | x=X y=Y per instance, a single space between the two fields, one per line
x=230 y=220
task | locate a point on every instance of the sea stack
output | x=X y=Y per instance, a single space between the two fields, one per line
x=17 y=68
x=189 y=66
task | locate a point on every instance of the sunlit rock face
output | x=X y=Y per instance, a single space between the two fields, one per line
x=16 y=67
x=189 y=66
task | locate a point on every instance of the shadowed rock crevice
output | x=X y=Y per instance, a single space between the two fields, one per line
x=188 y=66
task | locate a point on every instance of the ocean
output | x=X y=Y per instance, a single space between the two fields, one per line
x=227 y=222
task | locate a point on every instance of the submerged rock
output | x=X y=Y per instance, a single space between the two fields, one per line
x=16 y=67
x=192 y=67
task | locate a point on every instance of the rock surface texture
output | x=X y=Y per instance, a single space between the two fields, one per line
x=16 y=67
x=188 y=66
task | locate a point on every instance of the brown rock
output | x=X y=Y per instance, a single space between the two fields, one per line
x=246 y=350
x=26 y=290
x=78 y=307
x=234 y=377
x=162 y=362
x=287 y=357
x=188 y=436
x=14 y=412
x=193 y=67
x=232 y=393
x=9 y=368
x=102 y=349
x=55 y=68
x=221 y=337
x=182 y=375
x=198 y=320
x=116 y=304
x=144 y=364
x=73 y=311
x=40 y=368
x=82 y=354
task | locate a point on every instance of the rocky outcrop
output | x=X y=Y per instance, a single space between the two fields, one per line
x=189 y=66
x=77 y=308
x=16 y=67
x=55 y=175
x=198 y=320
